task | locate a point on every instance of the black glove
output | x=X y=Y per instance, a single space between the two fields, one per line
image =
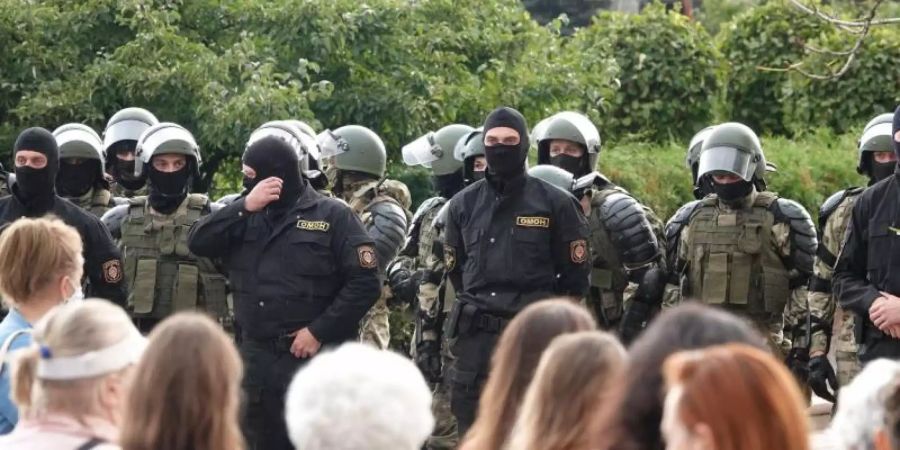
x=821 y=377
x=634 y=321
x=798 y=362
x=405 y=285
x=428 y=360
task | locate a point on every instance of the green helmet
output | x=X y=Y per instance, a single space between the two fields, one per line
x=734 y=148
x=355 y=148
x=436 y=149
x=570 y=126
x=560 y=178
x=76 y=140
x=877 y=137
x=166 y=138
x=467 y=148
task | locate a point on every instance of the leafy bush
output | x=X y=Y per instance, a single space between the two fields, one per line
x=667 y=73
x=870 y=86
x=771 y=35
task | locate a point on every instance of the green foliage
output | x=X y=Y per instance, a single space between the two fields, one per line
x=715 y=14
x=870 y=86
x=768 y=36
x=809 y=169
x=667 y=73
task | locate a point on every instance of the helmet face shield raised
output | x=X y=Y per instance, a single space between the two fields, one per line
x=727 y=160
x=422 y=151
x=330 y=144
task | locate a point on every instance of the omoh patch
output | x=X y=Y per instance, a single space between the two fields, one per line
x=112 y=271
x=367 y=259
x=578 y=251
x=313 y=225
x=535 y=222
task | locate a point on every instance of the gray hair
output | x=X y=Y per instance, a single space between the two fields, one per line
x=359 y=398
x=861 y=405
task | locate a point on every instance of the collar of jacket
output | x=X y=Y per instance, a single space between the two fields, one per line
x=509 y=187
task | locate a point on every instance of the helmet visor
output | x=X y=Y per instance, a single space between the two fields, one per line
x=422 y=151
x=126 y=130
x=728 y=160
x=331 y=144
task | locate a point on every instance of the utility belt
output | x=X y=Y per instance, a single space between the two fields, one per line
x=466 y=318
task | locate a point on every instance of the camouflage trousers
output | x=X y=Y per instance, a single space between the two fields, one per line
x=444 y=436
x=846 y=350
x=375 y=327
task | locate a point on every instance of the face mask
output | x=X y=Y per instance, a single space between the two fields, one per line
x=77 y=293
x=249 y=183
x=34 y=183
x=75 y=180
x=505 y=161
x=168 y=189
x=568 y=163
x=479 y=175
x=448 y=185
x=881 y=171
x=733 y=192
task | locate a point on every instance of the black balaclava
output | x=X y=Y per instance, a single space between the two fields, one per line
x=570 y=164
x=506 y=161
x=477 y=175
x=169 y=189
x=732 y=193
x=36 y=188
x=122 y=170
x=879 y=171
x=896 y=133
x=448 y=185
x=273 y=157
x=75 y=180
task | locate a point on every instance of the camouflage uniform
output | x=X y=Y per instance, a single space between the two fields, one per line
x=724 y=256
x=375 y=326
x=97 y=201
x=117 y=190
x=822 y=303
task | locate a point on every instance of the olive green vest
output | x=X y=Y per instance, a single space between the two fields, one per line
x=164 y=276
x=96 y=201
x=732 y=260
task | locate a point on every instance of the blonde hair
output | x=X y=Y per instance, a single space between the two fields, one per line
x=186 y=391
x=513 y=365
x=572 y=379
x=33 y=254
x=68 y=330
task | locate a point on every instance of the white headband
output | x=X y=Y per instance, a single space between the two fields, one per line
x=92 y=364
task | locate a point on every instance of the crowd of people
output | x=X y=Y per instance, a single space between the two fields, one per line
x=262 y=320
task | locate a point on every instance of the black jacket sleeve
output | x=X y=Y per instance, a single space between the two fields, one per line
x=571 y=255
x=850 y=284
x=454 y=249
x=103 y=264
x=361 y=286
x=213 y=235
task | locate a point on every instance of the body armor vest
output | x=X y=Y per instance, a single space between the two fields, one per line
x=732 y=260
x=608 y=278
x=96 y=201
x=164 y=276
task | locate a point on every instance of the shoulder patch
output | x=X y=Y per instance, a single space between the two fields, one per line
x=313 y=225
x=533 y=222
x=112 y=271
x=366 y=255
x=578 y=251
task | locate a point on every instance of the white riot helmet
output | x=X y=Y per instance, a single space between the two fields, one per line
x=290 y=133
x=76 y=140
x=127 y=125
x=166 y=138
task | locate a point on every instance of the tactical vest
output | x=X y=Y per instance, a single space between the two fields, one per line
x=428 y=234
x=732 y=259
x=164 y=276
x=96 y=201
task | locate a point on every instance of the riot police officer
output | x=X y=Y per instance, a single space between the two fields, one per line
x=510 y=240
x=119 y=142
x=702 y=188
x=626 y=236
x=866 y=280
x=303 y=272
x=164 y=277
x=355 y=160
x=81 y=179
x=876 y=160
x=36 y=157
x=748 y=251
x=416 y=276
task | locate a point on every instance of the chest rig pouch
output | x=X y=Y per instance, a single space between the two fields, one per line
x=164 y=276
x=733 y=261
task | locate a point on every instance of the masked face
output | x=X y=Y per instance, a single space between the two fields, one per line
x=77 y=176
x=731 y=189
x=273 y=157
x=170 y=178
x=33 y=176
x=502 y=151
x=568 y=155
x=883 y=164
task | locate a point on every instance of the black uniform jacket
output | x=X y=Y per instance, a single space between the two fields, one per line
x=102 y=259
x=870 y=262
x=504 y=251
x=314 y=267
